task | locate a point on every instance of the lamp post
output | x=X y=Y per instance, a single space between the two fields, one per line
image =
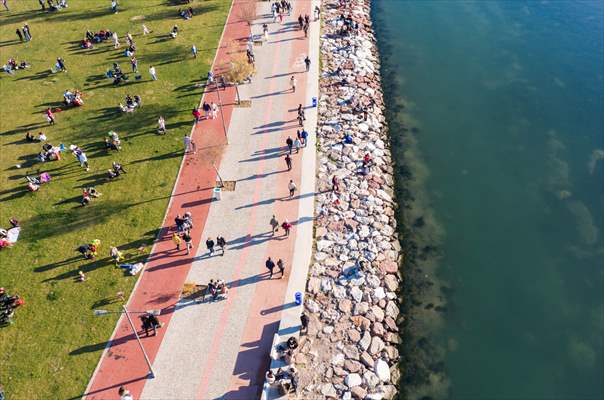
x=124 y=310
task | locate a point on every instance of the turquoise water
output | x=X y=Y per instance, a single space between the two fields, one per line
x=503 y=107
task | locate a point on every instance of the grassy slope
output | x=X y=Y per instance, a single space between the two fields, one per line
x=55 y=343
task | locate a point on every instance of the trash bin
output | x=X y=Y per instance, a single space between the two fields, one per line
x=314 y=101
x=216 y=193
x=298 y=298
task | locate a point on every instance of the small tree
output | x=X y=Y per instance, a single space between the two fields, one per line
x=239 y=71
x=247 y=12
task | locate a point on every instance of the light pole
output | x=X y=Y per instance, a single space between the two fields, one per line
x=99 y=313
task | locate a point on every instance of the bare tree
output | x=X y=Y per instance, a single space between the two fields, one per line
x=239 y=71
x=247 y=12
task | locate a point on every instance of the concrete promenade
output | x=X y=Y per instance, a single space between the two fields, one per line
x=220 y=349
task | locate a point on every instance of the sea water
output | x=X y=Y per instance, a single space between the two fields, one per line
x=496 y=111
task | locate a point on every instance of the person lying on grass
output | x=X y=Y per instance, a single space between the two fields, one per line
x=88 y=194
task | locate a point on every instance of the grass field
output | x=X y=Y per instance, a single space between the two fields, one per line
x=55 y=342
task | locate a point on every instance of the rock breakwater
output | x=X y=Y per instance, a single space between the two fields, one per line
x=351 y=347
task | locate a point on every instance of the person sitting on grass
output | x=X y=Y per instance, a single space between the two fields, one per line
x=88 y=194
x=116 y=170
x=113 y=142
x=116 y=255
x=174 y=32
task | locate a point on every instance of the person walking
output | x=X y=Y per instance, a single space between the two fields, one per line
x=26 y=32
x=300 y=21
x=265 y=31
x=161 y=122
x=292 y=188
x=124 y=394
x=189 y=144
x=300 y=120
x=290 y=144
x=281 y=266
x=146 y=30
x=297 y=145
x=214 y=110
x=5 y=4
x=270 y=265
x=301 y=112
x=292 y=82
x=153 y=73
x=210 y=246
x=317 y=13
x=335 y=184
x=18 y=32
x=206 y=109
x=50 y=116
x=304 y=322
x=288 y=162
x=194 y=51
x=220 y=242
x=61 y=64
x=134 y=64
x=274 y=224
x=176 y=240
x=116 y=40
x=83 y=159
x=304 y=136
x=188 y=241
x=286 y=227
x=196 y=114
x=114 y=6
x=41 y=2
x=305 y=28
x=307 y=63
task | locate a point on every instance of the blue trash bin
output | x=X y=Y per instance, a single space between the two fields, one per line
x=298 y=298
x=314 y=101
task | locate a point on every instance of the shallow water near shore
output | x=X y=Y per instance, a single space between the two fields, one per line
x=498 y=134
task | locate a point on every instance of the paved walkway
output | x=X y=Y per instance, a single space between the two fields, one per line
x=221 y=349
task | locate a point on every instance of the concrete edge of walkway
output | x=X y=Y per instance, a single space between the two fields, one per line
x=159 y=233
x=290 y=317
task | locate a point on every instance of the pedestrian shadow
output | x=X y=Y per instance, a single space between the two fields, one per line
x=276 y=129
x=250 y=280
x=259 y=203
x=262 y=157
x=114 y=386
x=252 y=363
x=260 y=176
x=198 y=202
x=9 y=42
x=284 y=74
x=256 y=240
x=277 y=93
x=278 y=308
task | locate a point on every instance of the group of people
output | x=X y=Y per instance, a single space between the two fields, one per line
x=73 y=98
x=187 y=13
x=132 y=103
x=89 y=250
x=304 y=23
x=49 y=153
x=12 y=65
x=286 y=379
x=97 y=37
x=117 y=74
x=112 y=141
x=220 y=242
x=281 y=8
x=24 y=34
x=53 y=5
x=29 y=137
x=116 y=170
x=88 y=194
x=270 y=265
x=33 y=182
x=150 y=322
x=8 y=304
x=184 y=224
x=218 y=288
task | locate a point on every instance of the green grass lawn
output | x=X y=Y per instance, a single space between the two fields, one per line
x=55 y=342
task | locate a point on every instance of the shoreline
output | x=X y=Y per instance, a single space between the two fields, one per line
x=351 y=349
